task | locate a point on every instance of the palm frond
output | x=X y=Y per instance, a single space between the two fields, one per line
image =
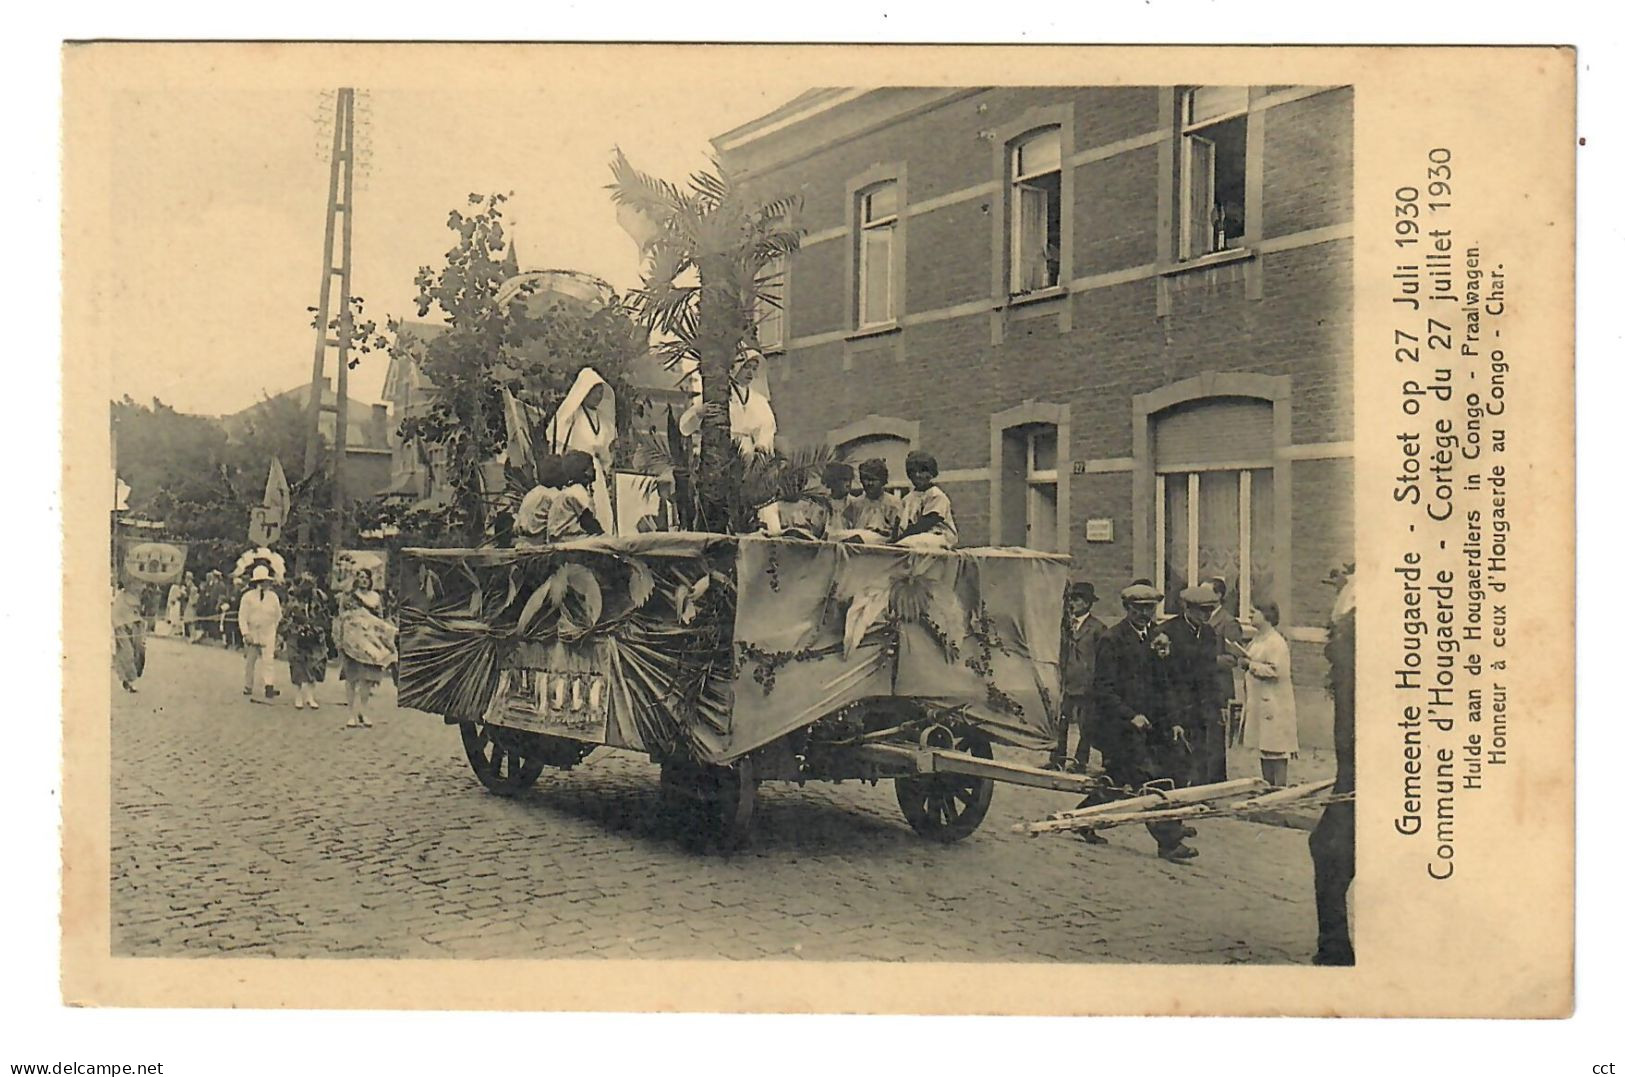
x=677 y=354
x=779 y=244
x=712 y=188
x=656 y=197
x=778 y=209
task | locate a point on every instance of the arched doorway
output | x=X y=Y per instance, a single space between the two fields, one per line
x=878 y=437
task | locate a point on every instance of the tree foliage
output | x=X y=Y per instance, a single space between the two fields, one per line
x=202 y=480
x=535 y=354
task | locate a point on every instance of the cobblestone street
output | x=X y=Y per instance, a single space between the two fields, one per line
x=243 y=829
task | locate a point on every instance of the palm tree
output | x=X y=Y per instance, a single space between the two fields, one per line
x=705 y=248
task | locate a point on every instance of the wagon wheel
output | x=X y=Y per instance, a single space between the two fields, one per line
x=506 y=761
x=733 y=811
x=948 y=807
x=723 y=799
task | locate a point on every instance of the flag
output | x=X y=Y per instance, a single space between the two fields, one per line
x=523 y=419
x=278 y=498
x=121 y=494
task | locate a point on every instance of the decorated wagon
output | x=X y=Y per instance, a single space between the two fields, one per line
x=731 y=660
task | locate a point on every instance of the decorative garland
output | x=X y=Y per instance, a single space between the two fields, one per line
x=767 y=664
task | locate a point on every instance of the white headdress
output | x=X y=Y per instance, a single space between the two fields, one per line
x=558 y=428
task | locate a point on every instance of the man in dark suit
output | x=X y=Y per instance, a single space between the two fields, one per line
x=1331 y=843
x=1080 y=633
x=1225 y=681
x=1136 y=729
x=1193 y=663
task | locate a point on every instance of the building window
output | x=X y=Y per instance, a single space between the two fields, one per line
x=876 y=252
x=1215 y=498
x=1217 y=523
x=876 y=245
x=1035 y=211
x=769 y=306
x=1031 y=488
x=1213 y=169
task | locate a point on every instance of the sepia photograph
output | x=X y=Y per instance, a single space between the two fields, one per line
x=875 y=531
x=910 y=529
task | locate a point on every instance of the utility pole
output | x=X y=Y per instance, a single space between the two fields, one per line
x=340 y=195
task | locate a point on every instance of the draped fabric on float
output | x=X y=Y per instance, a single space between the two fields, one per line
x=713 y=646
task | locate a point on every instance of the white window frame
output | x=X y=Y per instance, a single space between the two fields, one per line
x=868 y=227
x=1040 y=478
x=1193 y=523
x=1019 y=180
x=1190 y=131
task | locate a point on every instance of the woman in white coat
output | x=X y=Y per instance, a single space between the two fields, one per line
x=1270 y=713
x=585 y=422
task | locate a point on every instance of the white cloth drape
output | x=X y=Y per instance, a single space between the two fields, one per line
x=1034 y=231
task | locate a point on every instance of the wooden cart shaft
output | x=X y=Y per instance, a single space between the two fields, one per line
x=948 y=761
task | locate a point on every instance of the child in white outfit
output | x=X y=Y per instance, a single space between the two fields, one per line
x=928 y=515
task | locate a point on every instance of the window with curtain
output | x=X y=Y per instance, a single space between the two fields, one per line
x=1213 y=169
x=1035 y=211
x=877 y=227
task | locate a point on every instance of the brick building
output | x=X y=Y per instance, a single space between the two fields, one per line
x=366 y=442
x=1120 y=317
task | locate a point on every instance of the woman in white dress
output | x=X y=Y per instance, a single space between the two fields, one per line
x=1269 y=722
x=750 y=407
x=175 y=614
x=585 y=422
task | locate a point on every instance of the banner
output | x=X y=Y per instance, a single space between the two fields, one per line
x=146 y=561
x=348 y=562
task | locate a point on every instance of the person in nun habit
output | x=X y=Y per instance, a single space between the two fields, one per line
x=585 y=422
x=750 y=407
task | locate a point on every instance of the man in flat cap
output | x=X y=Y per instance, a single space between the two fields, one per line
x=1134 y=727
x=1080 y=634
x=1193 y=661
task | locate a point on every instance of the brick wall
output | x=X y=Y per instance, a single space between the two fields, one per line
x=1115 y=203
x=1322 y=533
x=1284 y=312
x=1108 y=565
x=1308 y=162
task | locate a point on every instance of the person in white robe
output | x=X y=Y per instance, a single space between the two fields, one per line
x=750 y=407
x=585 y=422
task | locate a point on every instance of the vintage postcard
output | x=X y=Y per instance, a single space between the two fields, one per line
x=1029 y=530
